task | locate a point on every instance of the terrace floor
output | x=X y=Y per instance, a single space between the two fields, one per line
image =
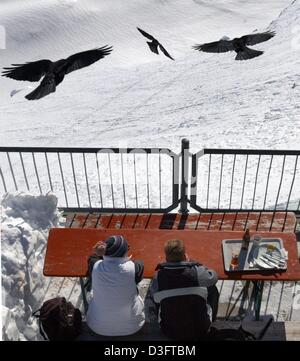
x=280 y=299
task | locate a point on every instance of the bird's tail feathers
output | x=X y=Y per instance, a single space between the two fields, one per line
x=248 y=53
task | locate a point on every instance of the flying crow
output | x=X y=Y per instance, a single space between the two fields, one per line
x=154 y=44
x=53 y=72
x=239 y=45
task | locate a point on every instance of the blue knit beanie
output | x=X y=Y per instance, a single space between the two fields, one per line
x=116 y=246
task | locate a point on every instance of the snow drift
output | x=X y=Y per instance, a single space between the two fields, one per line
x=25 y=221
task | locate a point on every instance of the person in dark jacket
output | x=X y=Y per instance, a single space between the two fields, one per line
x=184 y=294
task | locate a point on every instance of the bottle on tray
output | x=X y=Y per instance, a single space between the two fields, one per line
x=246 y=240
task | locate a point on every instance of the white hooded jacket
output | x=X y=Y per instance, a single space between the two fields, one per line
x=116 y=308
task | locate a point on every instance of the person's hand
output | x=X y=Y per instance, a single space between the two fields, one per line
x=187 y=258
x=99 y=249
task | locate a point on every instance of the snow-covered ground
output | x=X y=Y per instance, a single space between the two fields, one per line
x=138 y=99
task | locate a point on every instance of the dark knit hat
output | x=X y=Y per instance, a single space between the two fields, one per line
x=116 y=246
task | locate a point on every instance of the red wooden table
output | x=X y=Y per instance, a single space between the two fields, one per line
x=69 y=248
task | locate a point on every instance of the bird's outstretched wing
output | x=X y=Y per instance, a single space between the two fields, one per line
x=32 y=71
x=148 y=36
x=47 y=86
x=86 y=58
x=253 y=39
x=165 y=52
x=221 y=46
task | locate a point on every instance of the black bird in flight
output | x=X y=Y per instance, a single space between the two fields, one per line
x=154 y=44
x=53 y=72
x=239 y=45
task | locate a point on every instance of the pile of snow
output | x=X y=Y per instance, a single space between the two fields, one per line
x=25 y=223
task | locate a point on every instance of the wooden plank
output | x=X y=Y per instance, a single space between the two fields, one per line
x=283 y=221
x=129 y=220
x=79 y=220
x=204 y=221
x=141 y=221
x=264 y=222
x=229 y=221
x=92 y=220
x=69 y=219
x=116 y=221
x=192 y=221
x=104 y=220
x=155 y=221
x=216 y=221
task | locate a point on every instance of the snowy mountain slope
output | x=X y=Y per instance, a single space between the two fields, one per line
x=136 y=98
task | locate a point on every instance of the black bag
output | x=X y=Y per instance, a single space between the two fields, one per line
x=230 y=334
x=59 y=320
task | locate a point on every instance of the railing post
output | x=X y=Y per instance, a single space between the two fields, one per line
x=185 y=151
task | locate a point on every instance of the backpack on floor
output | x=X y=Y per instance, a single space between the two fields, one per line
x=59 y=320
x=230 y=334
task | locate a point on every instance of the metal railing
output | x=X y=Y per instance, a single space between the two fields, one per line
x=156 y=180
x=95 y=179
x=234 y=180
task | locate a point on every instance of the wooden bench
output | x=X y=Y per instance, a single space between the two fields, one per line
x=277 y=331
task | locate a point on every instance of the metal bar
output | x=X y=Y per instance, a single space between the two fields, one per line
x=99 y=182
x=257 y=224
x=272 y=220
x=208 y=180
x=119 y=210
x=25 y=176
x=3 y=181
x=185 y=146
x=123 y=180
x=62 y=178
x=232 y=177
x=256 y=175
x=83 y=150
x=74 y=177
x=48 y=170
x=244 y=181
x=280 y=183
x=12 y=171
x=159 y=182
x=194 y=179
x=85 y=303
x=135 y=181
x=86 y=179
x=220 y=184
x=36 y=173
x=175 y=176
x=249 y=151
x=267 y=184
x=292 y=184
x=258 y=291
x=147 y=173
x=111 y=181
x=243 y=293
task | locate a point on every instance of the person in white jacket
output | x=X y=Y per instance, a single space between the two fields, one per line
x=116 y=308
